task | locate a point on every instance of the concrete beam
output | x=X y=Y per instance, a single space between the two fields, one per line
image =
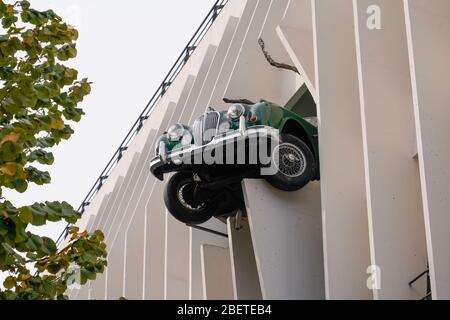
x=344 y=208
x=296 y=34
x=289 y=80
x=197 y=238
x=177 y=248
x=116 y=208
x=101 y=211
x=287 y=242
x=220 y=85
x=176 y=284
x=428 y=34
x=396 y=225
x=153 y=247
x=216 y=272
x=130 y=206
x=215 y=67
x=99 y=285
x=198 y=84
x=253 y=77
x=243 y=264
x=133 y=231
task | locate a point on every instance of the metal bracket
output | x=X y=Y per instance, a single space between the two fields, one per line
x=121 y=151
x=427 y=273
x=418 y=277
x=217 y=233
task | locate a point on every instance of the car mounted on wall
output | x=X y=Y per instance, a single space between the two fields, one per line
x=210 y=158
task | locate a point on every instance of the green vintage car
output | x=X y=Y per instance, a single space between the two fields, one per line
x=210 y=158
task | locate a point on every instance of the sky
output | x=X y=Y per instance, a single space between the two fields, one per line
x=125 y=48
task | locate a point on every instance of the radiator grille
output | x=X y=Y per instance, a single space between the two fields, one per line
x=205 y=127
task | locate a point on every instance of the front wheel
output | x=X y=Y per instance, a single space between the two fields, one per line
x=294 y=162
x=186 y=201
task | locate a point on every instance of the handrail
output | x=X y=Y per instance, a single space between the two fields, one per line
x=138 y=124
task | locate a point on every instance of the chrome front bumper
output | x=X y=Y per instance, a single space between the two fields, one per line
x=167 y=161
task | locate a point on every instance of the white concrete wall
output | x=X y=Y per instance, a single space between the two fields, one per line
x=220 y=85
x=296 y=34
x=243 y=264
x=428 y=30
x=99 y=285
x=198 y=238
x=216 y=273
x=176 y=237
x=251 y=65
x=396 y=225
x=344 y=209
x=287 y=242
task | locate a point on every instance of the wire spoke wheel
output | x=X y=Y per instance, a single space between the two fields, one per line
x=289 y=160
x=185 y=196
x=294 y=163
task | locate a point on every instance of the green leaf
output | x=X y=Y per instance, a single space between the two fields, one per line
x=12 y=253
x=37 y=176
x=88 y=257
x=40 y=266
x=25 y=4
x=67 y=52
x=9 y=282
x=11 y=295
x=49 y=289
x=45 y=142
x=36 y=281
x=42 y=92
x=86 y=274
x=34 y=243
x=26 y=215
x=9 y=151
x=4 y=228
x=49 y=245
x=71 y=113
x=21 y=235
x=39 y=215
x=32 y=256
x=99 y=235
x=41 y=156
x=20 y=185
x=54 y=268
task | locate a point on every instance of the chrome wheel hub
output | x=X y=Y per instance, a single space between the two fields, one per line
x=182 y=199
x=289 y=160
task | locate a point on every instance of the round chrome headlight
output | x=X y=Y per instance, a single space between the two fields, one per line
x=186 y=140
x=236 y=111
x=175 y=132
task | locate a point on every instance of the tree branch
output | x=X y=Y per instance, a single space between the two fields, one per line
x=273 y=62
x=244 y=101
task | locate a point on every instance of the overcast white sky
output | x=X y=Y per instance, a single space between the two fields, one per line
x=125 y=48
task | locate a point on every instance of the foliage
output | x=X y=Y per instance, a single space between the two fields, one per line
x=39 y=97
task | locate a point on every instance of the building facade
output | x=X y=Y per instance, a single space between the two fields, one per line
x=378 y=75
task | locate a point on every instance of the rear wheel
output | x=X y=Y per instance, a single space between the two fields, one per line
x=294 y=162
x=186 y=201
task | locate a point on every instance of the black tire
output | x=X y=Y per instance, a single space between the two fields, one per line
x=173 y=199
x=294 y=173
